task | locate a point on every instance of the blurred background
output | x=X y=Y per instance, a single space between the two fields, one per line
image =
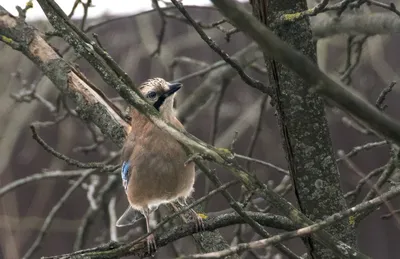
x=131 y=40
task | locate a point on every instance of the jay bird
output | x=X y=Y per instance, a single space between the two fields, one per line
x=154 y=169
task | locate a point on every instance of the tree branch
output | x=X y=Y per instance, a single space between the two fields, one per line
x=92 y=103
x=114 y=249
x=356 y=24
x=220 y=156
x=201 y=95
x=305 y=230
x=213 y=45
x=304 y=129
x=343 y=97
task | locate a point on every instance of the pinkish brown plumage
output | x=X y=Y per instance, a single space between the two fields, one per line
x=157 y=159
x=154 y=170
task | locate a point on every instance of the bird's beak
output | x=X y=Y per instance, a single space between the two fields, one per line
x=173 y=87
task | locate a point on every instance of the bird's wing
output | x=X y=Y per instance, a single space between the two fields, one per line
x=129 y=217
x=126 y=153
x=125 y=173
x=129 y=144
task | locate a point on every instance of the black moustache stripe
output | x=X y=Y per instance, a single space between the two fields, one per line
x=160 y=101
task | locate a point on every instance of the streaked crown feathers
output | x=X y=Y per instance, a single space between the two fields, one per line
x=157 y=91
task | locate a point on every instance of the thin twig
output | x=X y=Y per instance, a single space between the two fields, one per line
x=352 y=195
x=54 y=210
x=346 y=76
x=89 y=216
x=202 y=72
x=355 y=150
x=90 y=190
x=256 y=226
x=261 y=162
x=86 y=7
x=162 y=29
x=257 y=131
x=104 y=55
x=319 y=8
x=68 y=160
x=393 y=164
x=382 y=96
x=302 y=231
x=39 y=176
x=214 y=127
x=213 y=45
x=113 y=218
x=391 y=214
x=375 y=190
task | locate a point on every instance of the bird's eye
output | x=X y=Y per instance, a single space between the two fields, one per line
x=151 y=95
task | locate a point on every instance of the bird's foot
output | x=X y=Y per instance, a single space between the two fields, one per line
x=151 y=245
x=200 y=224
x=198 y=221
x=196 y=156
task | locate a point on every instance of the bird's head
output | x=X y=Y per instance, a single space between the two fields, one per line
x=160 y=94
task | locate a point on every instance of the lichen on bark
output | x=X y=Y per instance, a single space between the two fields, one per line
x=303 y=126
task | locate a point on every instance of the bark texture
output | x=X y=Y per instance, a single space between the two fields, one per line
x=92 y=104
x=303 y=126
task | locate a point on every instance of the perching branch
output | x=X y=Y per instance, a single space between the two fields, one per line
x=92 y=104
x=114 y=249
x=222 y=157
x=305 y=230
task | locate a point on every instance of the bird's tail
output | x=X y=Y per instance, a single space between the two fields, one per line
x=129 y=217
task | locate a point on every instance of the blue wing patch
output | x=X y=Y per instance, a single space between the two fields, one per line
x=125 y=174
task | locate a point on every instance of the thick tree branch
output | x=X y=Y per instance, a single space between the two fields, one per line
x=213 y=45
x=220 y=156
x=304 y=128
x=115 y=250
x=92 y=103
x=305 y=230
x=342 y=96
x=364 y=24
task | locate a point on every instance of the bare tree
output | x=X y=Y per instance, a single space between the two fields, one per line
x=279 y=67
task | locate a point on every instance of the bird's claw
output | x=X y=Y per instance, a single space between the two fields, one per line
x=198 y=221
x=195 y=156
x=192 y=158
x=200 y=224
x=151 y=245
